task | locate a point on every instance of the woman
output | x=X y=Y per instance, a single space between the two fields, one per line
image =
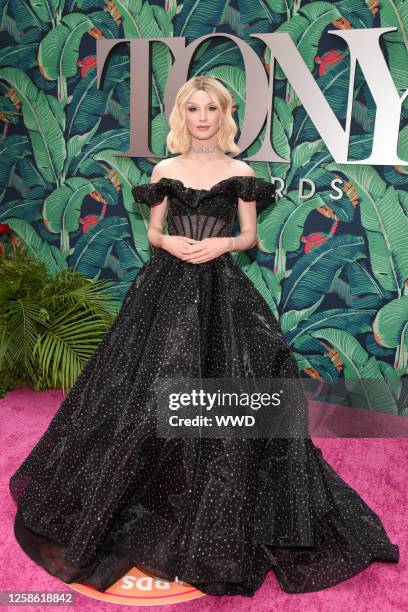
x=102 y=491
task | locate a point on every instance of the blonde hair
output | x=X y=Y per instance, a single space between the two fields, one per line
x=179 y=139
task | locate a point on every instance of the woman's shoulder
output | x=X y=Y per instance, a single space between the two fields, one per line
x=250 y=187
x=162 y=169
x=241 y=168
x=156 y=189
x=171 y=166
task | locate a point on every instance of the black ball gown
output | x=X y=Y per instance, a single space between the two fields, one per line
x=101 y=492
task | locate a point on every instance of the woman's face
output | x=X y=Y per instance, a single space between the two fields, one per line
x=202 y=111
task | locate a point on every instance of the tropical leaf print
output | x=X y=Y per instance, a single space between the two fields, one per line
x=334 y=271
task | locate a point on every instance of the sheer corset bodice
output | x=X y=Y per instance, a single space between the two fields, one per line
x=198 y=226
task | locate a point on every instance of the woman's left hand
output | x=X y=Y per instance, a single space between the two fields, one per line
x=208 y=248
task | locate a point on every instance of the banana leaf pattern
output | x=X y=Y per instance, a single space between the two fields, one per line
x=335 y=273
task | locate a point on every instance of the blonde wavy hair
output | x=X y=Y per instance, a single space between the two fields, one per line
x=179 y=139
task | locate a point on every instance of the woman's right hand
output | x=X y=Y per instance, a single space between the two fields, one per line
x=177 y=245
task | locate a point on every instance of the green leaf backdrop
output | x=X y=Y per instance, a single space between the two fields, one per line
x=335 y=274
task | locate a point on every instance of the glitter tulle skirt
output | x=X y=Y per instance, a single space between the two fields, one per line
x=101 y=493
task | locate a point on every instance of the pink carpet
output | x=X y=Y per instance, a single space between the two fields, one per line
x=376 y=468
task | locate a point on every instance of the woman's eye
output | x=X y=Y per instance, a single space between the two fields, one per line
x=192 y=108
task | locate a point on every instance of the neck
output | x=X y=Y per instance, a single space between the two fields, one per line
x=197 y=144
x=195 y=153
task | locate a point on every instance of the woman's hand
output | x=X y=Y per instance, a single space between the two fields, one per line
x=208 y=249
x=179 y=246
x=196 y=251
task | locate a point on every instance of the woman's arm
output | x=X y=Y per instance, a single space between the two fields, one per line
x=158 y=213
x=246 y=238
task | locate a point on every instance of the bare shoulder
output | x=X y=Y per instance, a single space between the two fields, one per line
x=242 y=168
x=163 y=168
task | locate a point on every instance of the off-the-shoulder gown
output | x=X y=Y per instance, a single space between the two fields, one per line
x=101 y=492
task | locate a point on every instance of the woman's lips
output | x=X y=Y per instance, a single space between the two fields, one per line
x=202 y=127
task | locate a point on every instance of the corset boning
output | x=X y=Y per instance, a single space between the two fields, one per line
x=198 y=226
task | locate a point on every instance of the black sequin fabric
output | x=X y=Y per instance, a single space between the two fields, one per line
x=101 y=492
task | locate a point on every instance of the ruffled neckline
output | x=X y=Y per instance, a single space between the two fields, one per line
x=246 y=187
x=219 y=185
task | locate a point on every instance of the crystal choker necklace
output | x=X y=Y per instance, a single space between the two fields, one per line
x=203 y=149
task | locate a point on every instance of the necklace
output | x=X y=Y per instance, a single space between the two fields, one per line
x=203 y=149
